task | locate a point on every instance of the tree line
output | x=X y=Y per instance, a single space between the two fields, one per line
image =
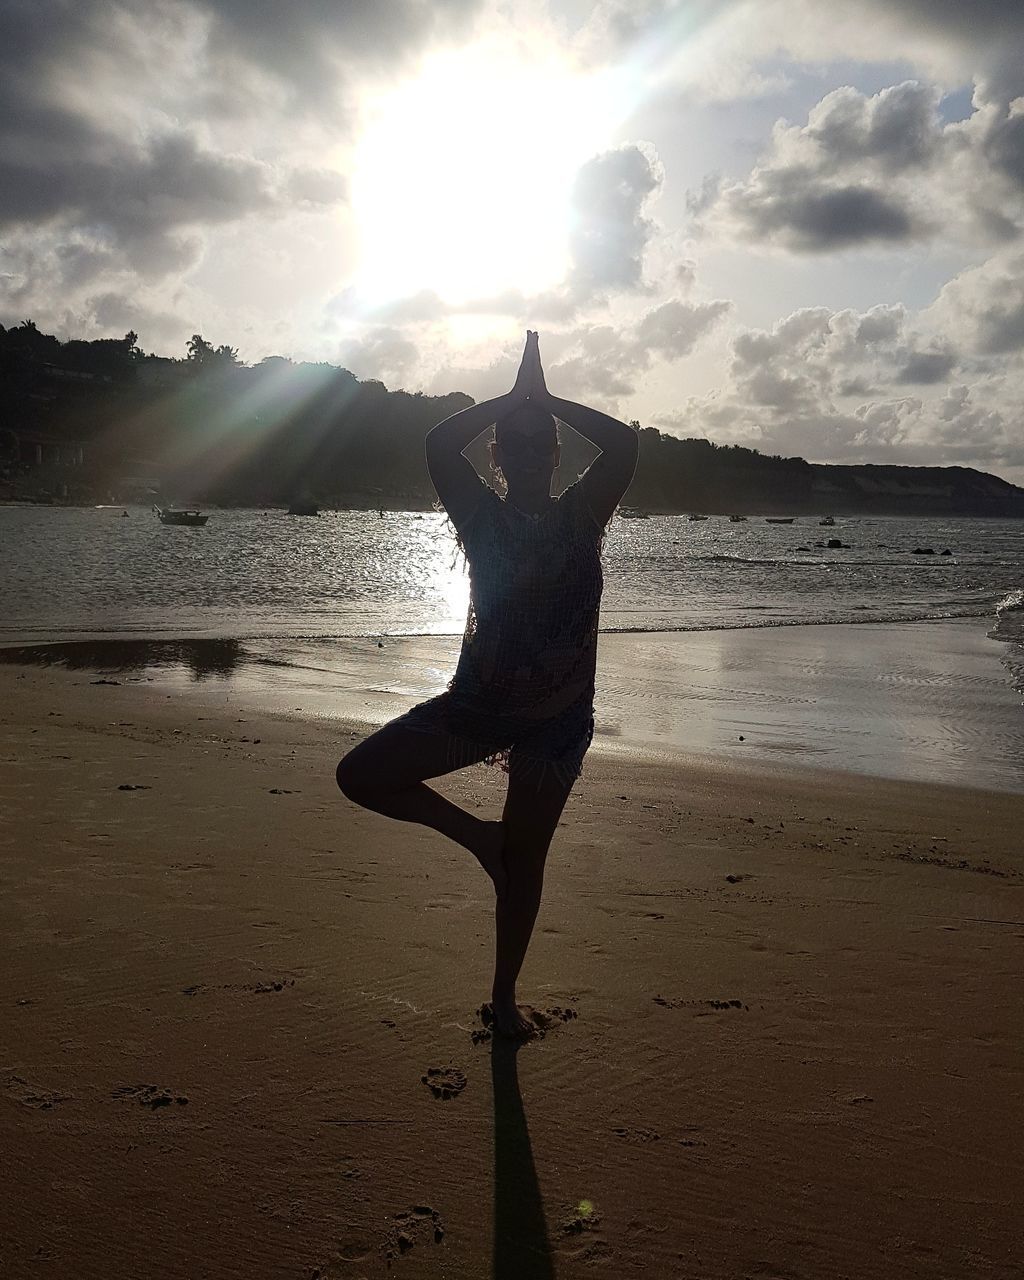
x=209 y=428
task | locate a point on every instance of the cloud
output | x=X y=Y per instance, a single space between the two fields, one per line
x=926 y=367
x=309 y=46
x=610 y=229
x=674 y=329
x=736 y=49
x=384 y=353
x=827 y=384
x=877 y=170
x=829 y=184
x=606 y=361
x=986 y=305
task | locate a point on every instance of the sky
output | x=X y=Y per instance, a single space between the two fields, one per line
x=795 y=226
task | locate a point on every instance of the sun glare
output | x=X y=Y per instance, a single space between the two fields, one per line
x=462 y=176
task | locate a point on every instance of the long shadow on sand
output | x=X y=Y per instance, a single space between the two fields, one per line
x=521 y=1249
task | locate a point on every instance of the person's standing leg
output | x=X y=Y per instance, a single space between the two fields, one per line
x=529 y=819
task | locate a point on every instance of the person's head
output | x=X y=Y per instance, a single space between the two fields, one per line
x=526 y=445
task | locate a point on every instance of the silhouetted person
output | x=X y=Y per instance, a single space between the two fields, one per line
x=523 y=692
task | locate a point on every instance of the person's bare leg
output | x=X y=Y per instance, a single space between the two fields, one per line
x=530 y=817
x=385 y=773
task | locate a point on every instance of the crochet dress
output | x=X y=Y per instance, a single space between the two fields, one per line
x=523 y=692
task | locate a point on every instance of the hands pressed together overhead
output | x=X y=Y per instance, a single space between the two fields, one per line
x=530 y=384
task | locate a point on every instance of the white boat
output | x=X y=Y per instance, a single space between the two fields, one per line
x=827 y=521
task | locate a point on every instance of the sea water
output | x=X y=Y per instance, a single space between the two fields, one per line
x=718 y=636
x=266 y=576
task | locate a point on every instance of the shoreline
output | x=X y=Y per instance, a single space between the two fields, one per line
x=782 y=1010
x=917 y=701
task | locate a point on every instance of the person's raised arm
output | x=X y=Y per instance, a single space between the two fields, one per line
x=609 y=475
x=451 y=473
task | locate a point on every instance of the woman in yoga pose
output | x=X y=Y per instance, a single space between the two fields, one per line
x=523 y=692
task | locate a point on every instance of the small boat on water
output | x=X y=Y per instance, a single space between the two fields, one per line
x=779 y=519
x=179 y=515
x=695 y=516
x=827 y=521
x=633 y=513
x=737 y=519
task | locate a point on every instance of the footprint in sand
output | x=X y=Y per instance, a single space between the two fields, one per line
x=444 y=1082
x=150 y=1095
x=543 y=1021
x=639 y=1136
x=417 y=1225
x=702 y=1006
x=31 y=1096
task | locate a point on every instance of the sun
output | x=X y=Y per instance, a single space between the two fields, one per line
x=462 y=176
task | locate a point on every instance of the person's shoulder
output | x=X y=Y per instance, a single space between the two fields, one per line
x=578 y=507
x=482 y=509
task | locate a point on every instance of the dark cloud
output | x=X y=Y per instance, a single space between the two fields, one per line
x=882 y=170
x=794 y=207
x=880 y=324
x=309 y=45
x=1003 y=144
x=923 y=367
x=855 y=387
x=144 y=198
x=144 y=190
x=136 y=197
x=1000 y=326
x=991 y=32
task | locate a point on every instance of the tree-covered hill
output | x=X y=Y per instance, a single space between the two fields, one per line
x=98 y=420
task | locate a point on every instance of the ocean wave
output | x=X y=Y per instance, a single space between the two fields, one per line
x=1009 y=623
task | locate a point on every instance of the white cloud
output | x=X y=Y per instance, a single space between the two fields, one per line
x=877 y=170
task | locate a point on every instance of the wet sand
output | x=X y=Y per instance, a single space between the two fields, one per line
x=929 y=702
x=781 y=1015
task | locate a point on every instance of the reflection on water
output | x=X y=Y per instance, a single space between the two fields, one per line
x=203 y=658
x=74 y=572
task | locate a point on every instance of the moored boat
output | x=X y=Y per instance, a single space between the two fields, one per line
x=779 y=519
x=737 y=519
x=180 y=515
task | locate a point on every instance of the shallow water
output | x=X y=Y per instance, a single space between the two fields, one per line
x=926 y=701
x=724 y=629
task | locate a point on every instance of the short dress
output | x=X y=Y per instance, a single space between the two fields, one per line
x=523 y=693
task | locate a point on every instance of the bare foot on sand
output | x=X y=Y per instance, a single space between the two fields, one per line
x=488 y=850
x=510 y=1021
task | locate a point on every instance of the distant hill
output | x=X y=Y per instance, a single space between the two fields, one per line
x=103 y=421
x=697 y=475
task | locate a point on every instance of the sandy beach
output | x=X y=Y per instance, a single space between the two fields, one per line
x=781 y=1015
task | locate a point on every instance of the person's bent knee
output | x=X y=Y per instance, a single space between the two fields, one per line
x=353 y=781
